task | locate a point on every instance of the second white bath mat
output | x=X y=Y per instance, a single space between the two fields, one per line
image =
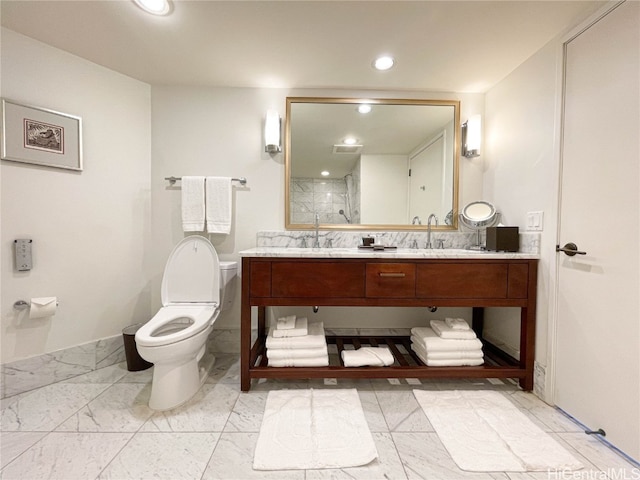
x=484 y=432
x=307 y=429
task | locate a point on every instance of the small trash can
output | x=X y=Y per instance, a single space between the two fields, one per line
x=135 y=362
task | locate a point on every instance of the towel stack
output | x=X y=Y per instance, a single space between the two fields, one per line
x=447 y=343
x=294 y=342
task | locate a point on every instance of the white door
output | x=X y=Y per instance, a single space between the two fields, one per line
x=426 y=190
x=597 y=359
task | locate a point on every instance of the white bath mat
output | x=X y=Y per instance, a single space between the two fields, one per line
x=306 y=429
x=484 y=432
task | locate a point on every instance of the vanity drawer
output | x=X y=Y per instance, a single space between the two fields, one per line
x=457 y=280
x=317 y=279
x=391 y=280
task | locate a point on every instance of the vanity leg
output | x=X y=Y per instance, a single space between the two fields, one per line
x=527 y=342
x=528 y=329
x=477 y=321
x=245 y=330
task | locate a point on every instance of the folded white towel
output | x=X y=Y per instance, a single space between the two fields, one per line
x=458 y=355
x=299 y=330
x=285 y=323
x=433 y=343
x=218 y=200
x=291 y=353
x=450 y=362
x=322 y=361
x=445 y=331
x=193 y=204
x=367 y=356
x=457 y=323
x=314 y=339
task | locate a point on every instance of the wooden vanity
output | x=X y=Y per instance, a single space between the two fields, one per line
x=278 y=277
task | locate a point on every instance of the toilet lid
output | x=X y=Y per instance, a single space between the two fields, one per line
x=192 y=273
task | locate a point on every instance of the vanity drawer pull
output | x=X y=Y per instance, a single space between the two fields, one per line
x=392 y=274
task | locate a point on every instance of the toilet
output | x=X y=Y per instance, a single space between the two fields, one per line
x=196 y=287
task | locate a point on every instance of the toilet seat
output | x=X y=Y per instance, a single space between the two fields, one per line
x=190 y=294
x=169 y=326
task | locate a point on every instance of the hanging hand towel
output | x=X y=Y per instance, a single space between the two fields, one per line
x=218 y=200
x=193 y=204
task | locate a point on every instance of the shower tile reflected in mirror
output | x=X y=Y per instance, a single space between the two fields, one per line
x=336 y=201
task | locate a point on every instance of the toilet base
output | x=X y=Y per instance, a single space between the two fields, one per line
x=173 y=385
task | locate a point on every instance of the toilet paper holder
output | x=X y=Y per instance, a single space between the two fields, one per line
x=22 y=305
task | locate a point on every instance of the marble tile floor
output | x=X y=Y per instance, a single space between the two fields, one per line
x=98 y=426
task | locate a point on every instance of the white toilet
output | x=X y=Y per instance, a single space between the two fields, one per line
x=196 y=286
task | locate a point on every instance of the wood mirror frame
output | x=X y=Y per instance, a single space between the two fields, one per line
x=415 y=124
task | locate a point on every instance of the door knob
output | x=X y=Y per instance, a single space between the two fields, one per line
x=570 y=249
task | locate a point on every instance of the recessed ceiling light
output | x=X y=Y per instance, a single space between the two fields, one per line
x=350 y=141
x=384 y=62
x=364 y=108
x=324 y=173
x=155 y=7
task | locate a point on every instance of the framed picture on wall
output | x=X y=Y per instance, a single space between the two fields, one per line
x=40 y=136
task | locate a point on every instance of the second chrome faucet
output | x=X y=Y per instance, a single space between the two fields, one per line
x=431 y=217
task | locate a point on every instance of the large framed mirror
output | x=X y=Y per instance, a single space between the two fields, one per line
x=371 y=164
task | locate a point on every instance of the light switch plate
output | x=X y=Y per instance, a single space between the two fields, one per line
x=534 y=221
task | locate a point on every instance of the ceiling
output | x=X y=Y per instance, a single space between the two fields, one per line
x=454 y=46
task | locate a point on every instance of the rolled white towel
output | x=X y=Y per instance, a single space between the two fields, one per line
x=457 y=323
x=321 y=361
x=314 y=339
x=286 y=323
x=449 y=362
x=444 y=331
x=367 y=356
x=433 y=343
x=291 y=353
x=300 y=329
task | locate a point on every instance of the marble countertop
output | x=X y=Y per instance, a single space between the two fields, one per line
x=446 y=253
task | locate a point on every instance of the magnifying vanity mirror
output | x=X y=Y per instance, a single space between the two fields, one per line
x=476 y=216
x=371 y=164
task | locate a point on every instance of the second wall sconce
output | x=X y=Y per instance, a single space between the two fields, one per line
x=471 y=136
x=272 y=132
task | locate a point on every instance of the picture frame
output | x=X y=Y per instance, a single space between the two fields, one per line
x=40 y=136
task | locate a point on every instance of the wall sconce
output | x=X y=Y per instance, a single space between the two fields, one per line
x=471 y=136
x=272 y=132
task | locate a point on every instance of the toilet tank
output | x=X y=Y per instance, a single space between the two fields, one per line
x=228 y=273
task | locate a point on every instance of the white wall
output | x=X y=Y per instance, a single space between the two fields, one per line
x=521 y=162
x=89 y=229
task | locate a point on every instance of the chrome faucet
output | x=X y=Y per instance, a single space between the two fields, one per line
x=415 y=220
x=316 y=224
x=432 y=216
